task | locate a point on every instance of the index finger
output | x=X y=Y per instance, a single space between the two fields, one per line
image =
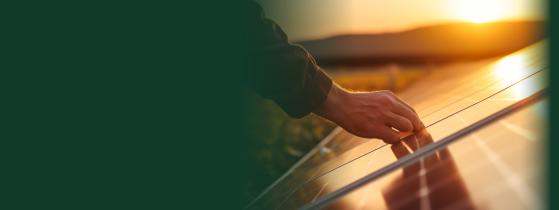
x=402 y=110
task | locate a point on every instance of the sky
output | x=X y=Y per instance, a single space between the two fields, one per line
x=310 y=19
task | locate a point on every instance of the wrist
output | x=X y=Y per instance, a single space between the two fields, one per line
x=333 y=107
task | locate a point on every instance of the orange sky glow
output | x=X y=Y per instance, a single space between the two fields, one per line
x=308 y=19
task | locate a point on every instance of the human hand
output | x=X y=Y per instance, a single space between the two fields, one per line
x=370 y=114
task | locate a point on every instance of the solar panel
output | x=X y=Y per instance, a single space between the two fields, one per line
x=447 y=102
x=492 y=168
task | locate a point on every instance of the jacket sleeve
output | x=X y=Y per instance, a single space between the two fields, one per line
x=281 y=71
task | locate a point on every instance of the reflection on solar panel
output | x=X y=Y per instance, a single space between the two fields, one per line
x=489 y=161
x=494 y=166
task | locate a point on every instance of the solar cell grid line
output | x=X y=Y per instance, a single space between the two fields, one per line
x=441 y=132
x=325 y=168
x=429 y=149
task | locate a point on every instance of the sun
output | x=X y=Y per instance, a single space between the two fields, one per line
x=480 y=11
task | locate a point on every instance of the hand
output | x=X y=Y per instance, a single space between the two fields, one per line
x=370 y=114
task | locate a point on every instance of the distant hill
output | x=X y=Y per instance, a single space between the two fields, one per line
x=456 y=41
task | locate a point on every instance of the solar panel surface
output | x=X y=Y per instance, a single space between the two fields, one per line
x=447 y=101
x=492 y=168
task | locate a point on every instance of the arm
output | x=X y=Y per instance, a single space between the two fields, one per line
x=289 y=75
x=281 y=71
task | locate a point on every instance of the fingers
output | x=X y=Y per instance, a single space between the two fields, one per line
x=399 y=150
x=379 y=131
x=402 y=109
x=412 y=143
x=424 y=138
x=400 y=123
x=388 y=135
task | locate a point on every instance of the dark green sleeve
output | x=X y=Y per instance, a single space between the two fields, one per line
x=284 y=72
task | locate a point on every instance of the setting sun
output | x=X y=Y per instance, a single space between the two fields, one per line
x=320 y=18
x=481 y=11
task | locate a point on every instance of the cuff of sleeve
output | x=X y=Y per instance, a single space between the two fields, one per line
x=318 y=92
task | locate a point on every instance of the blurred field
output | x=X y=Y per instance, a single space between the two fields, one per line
x=389 y=77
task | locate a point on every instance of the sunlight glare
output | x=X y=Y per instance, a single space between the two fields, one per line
x=510 y=69
x=480 y=11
